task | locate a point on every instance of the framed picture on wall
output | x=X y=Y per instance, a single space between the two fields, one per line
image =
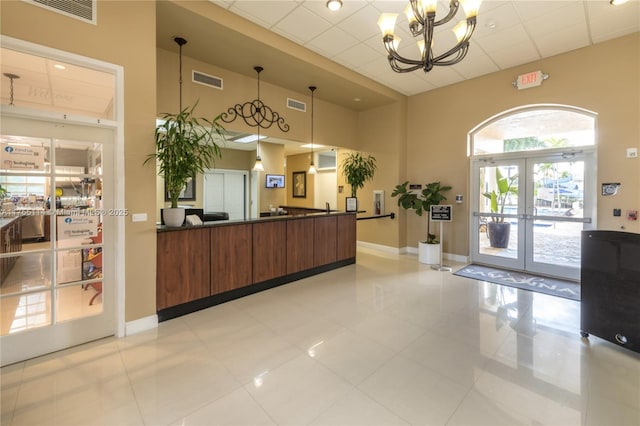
x=188 y=193
x=299 y=184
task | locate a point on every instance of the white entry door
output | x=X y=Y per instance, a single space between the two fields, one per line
x=57 y=255
x=226 y=191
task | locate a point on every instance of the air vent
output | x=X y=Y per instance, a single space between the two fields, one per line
x=206 y=79
x=298 y=105
x=81 y=9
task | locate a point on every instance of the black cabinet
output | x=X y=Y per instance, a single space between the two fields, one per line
x=610 y=287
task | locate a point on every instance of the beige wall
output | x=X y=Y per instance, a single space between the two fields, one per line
x=124 y=35
x=601 y=78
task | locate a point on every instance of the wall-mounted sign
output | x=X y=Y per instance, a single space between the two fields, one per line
x=21 y=157
x=77 y=226
x=441 y=213
x=530 y=79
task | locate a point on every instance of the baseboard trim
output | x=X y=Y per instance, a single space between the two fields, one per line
x=380 y=247
x=449 y=256
x=140 y=325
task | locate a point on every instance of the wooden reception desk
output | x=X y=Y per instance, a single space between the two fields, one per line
x=202 y=266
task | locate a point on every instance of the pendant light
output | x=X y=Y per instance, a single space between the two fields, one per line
x=312 y=167
x=11 y=78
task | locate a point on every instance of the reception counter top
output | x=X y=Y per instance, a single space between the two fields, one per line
x=203 y=265
x=165 y=228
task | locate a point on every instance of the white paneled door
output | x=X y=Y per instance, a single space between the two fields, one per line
x=57 y=281
x=226 y=191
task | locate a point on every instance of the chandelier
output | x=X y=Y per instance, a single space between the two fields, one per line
x=422 y=21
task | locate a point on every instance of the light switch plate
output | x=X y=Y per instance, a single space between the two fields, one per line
x=632 y=152
x=139 y=217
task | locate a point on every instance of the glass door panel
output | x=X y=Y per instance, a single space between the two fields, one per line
x=544 y=203
x=497 y=227
x=51 y=237
x=556 y=207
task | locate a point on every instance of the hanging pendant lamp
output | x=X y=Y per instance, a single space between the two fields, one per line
x=312 y=167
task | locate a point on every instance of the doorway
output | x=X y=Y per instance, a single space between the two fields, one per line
x=226 y=191
x=63 y=277
x=535 y=193
x=57 y=281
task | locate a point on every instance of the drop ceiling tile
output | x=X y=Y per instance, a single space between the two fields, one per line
x=265 y=13
x=514 y=55
x=475 y=64
x=379 y=66
x=301 y=25
x=609 y=22
x=362 y=24
x=497 y=19
x=554 y=21
x=406 y=82
x=332 y=42
x=512 y=36
x=531 y=9
x=357 y=56
x=441 y=76
x=349 y=7
x=564 y=40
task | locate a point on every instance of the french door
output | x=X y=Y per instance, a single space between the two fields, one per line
x=57 y=281
x=543 y=203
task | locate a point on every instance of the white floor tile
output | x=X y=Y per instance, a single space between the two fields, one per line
x=385 y=341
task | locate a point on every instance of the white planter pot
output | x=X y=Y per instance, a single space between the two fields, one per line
x=429 y=253
x=173 y=217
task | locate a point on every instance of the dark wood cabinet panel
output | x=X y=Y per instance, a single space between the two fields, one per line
x=324 y=240
x=610 y=287
x=231 y=259
x=346 y=237
x=299 y=245
x=269 y=250
x=181 y=272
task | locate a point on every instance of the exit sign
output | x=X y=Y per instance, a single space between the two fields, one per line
x=530 y=79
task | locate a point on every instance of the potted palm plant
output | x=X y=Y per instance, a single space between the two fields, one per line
x=497 y=229
x=185 y=146
x=357 y=170
x=431 y=195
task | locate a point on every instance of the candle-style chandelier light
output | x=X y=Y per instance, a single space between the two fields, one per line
x=422 y=21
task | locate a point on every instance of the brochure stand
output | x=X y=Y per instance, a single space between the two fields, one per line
x=441 y=214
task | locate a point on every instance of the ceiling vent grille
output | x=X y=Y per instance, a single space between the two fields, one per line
x=84 y=10
x=206 y=79
x=297 y=105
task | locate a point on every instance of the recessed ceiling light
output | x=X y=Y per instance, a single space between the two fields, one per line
x=356 y=99
x=334 y=5
x=60 y=67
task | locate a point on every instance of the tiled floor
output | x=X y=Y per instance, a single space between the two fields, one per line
x=386 y=341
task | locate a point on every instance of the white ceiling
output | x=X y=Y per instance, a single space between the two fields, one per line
x=508 y=33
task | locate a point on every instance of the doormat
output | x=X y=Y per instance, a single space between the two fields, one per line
x=522 y=280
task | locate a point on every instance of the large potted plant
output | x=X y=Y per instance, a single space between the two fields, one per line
x=497 y=229
x=431 y=195
x=185 y=146
x=357 y=170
